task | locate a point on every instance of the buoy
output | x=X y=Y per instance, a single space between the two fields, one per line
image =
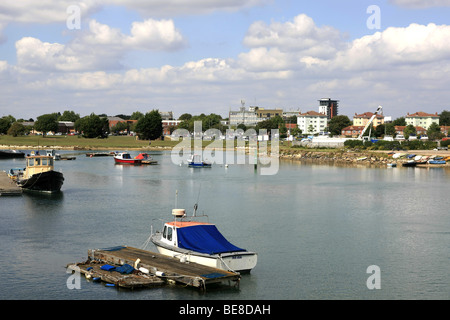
x=144 y=270
x=160 y=274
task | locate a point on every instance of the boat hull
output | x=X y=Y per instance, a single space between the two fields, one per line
x=48 y=181
x=127 y=161
x=242 y=261
x=199 y=165
x=7 y=154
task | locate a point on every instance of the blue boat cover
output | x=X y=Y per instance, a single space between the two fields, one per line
x=204 y=239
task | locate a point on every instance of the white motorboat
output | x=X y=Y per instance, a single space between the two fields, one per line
x=202 y=243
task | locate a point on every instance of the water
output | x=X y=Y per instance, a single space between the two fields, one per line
x=316 y=228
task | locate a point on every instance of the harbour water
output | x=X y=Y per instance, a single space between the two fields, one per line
x=316 y=228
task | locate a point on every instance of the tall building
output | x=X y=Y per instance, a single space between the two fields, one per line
x=312 y=122
x=329 y=107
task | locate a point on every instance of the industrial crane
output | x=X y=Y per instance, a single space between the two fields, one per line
x=379 y=110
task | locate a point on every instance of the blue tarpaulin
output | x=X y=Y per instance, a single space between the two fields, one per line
x=125 y=269
x=107 y=267
x=204 y=239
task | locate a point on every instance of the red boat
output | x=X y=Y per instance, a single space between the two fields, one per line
x=125 y=158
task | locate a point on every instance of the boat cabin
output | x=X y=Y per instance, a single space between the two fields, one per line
x=38 y=164
x=195 y=236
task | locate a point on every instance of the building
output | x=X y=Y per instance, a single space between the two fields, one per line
x=243 y=116
x=420 y=131
x=312 y=122
x=266 y=114
x=329 y=107
x=115 y=120
x=363 y=119
x=66 y=127
x=168 y=124
x=288 y=114
x=352 y=131
x=166 y=115
x=422 y=119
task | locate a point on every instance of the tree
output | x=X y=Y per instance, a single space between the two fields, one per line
x=444 y=118
x=399 y=121
x=17 y=129
x=119 y=127
x=296 y=132
x=409 y=130
x=150 y=127
x=136 y=115
x=390 y=129
x=69 y=116
x=338 y=123
x=434 y=132
x=5 y=123
x=185 y=116
x=93 y=126
x=46 y=123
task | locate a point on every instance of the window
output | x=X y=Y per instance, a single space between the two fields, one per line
x=165 y=232
x=169 y=234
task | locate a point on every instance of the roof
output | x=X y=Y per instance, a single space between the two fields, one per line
x=353 y=128
x=367 y=115
x=182 y=224
x=312 y=114
x=421 y=114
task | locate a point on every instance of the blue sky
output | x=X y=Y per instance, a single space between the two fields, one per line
x=205 y=56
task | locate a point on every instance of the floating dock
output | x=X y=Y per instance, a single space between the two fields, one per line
x=7 y=186
x=160 y=269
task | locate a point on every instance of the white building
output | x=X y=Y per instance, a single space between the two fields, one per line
x=422 y=119
x=246 y=117
x=312 y=122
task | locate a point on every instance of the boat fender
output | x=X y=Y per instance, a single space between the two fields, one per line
x=110 y=285
x=144 y=270
x=96 y=279
x=90 y=268
x=160 y=274
x=136 y=263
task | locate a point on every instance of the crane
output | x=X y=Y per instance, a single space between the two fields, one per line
x=379 y=110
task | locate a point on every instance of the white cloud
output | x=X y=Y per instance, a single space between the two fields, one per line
x=394 y=47
x=43 y=11
x=99 y=48
x=301 y=35
x=287 y=64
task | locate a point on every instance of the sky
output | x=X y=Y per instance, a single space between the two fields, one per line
x=206 y=56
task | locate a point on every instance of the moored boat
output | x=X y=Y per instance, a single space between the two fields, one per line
x=9 y=154
x=39 y=175
x=145 y=158
x=437 y=162
x=409 y=163
x=195 y=161
x=391 y=165
x=125 y=158
x=202 y=243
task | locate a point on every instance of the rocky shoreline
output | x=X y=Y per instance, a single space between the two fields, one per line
x=381 y=159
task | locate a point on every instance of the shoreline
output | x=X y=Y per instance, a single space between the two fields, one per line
x=367 y=158
x=377 y=158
